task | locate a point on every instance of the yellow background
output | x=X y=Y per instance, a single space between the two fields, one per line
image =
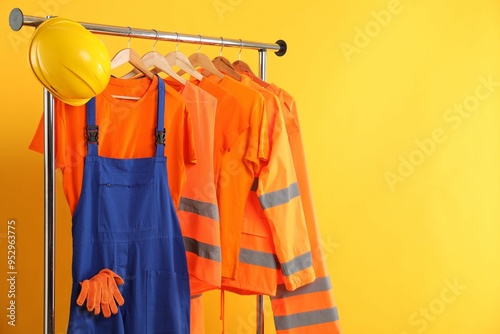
x=393 y=249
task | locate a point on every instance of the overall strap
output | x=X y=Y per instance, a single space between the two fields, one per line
x=92 y=130
x=160 y=129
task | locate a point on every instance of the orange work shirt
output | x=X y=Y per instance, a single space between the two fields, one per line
x=239 y=166
x=126 y=130
x=229 y=123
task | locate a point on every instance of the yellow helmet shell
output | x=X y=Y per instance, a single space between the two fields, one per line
x=70 y=61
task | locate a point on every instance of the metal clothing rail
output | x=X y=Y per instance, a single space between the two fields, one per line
x=16 y=21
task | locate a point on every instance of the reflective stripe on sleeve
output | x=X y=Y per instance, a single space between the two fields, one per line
x=202 y=249
x=257 y=258
x=306 y=319
x=297 y=264
x=279 y=197
x=204 y=209
x=319 y=285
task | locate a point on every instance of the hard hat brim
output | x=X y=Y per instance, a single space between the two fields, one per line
x=36 y=62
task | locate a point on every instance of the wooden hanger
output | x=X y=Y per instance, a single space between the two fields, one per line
x=201 y=60
x=243 y=67
x=130 y=56
x=224 y=65
x=176 y=58
x=157 y=60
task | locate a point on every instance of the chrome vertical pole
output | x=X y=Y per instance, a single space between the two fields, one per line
x=262 y=63
x=260 y=298
x=49 y=213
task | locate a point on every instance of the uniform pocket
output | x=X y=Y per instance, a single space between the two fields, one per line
x=167 y=304
x=255 y=221
x=126 y=202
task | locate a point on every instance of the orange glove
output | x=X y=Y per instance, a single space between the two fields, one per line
x=101 y=292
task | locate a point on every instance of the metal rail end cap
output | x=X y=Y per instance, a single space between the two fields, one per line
x=283 y=47
x=16 y=19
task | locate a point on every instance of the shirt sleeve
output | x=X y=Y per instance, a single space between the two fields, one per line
x=180 y=150
x=69 y=147
x=68 y=151
x=258 y=149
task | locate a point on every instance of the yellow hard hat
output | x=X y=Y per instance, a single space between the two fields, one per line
x=69 y=60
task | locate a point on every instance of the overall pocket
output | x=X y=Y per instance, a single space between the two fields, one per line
x=127 y=203
x=167 y=303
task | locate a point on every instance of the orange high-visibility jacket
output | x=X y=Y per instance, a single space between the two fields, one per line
x=274 y=238
x=311 y=309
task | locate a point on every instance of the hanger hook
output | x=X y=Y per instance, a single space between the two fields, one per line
x=157 y=38
x=221 y=46
x=177 y=45
x=241 y=48
x=201 y=44
x=130 y=34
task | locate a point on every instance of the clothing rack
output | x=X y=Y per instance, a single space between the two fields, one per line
x=16 y=21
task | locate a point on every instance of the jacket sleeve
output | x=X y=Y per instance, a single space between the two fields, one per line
x=279 y=197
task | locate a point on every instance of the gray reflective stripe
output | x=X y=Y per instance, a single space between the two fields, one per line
x=257 y=258
x=202 y=249
x=306 y=318
x=204 y=209
x=297 y=264
x=279 y=197
x=196 y=296
x=319 y=285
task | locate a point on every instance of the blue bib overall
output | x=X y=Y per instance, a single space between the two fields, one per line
x=125 y=221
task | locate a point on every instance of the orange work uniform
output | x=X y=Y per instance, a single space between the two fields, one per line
x=274 y=238
x=125 y=129
x=311 y=309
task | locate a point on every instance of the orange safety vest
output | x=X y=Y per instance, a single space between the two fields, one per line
x=198 y=211
x=311 y=309
x=197 y=323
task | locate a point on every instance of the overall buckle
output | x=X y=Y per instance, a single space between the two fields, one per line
x=160 y=137
x=92 y=134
